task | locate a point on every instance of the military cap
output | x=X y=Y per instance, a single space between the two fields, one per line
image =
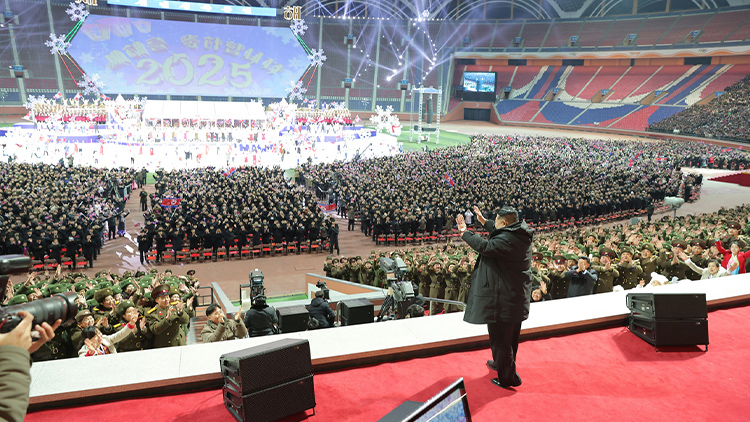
x=79 y=286
x=547 y=254
x=648 y=246
x=559 y=258
x=167 y=271
x=698 y=242
x=608 y=252
x=102 y=294
x=91 y=303
x=626 y=249
x=139 y=274
x=123 y=306
x=537 y=256
x=56 y=288
x=191 y=272
x=116 y=290
x=173 y=290
x=160 y=290
x=17 y=300
x=153 y=271
x=89 y=294
x=83 y=313
x=124 y=283
x=571 y=256
x=104 y=285
x=734 y=225
x=677 y=242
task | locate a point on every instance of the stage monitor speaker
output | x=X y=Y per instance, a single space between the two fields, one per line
x=293 y=318
x=357 y=311
x=272 y=403
x=668 y=305
x=674 y=332
x=269 y=364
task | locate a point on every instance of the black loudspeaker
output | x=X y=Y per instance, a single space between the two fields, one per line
x=260 y=367
x=271 y=403
x=357 y=311
x=293 y=319
x=675 y=332
x=668 y=305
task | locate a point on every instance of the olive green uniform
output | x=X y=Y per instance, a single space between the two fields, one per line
x=167 y=332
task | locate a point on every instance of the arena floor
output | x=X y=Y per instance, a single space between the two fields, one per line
x=285 y=274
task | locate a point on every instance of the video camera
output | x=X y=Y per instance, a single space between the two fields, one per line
x=61 y=306
x=395 y=270
x=326 y=291
x=256 y=283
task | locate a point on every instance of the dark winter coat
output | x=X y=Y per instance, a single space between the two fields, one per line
x=321 y=311
x=501 y=281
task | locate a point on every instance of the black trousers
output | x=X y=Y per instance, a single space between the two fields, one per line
x=350 y=227
x=504 y=344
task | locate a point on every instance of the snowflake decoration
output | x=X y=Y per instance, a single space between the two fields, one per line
x=366 y=103
x=382 y=119
x=31 y=102
x=364 y=134
x=425 y=14
x=57 y=45
x=317 y=57
x=348 y=135
x=295 y=90
x=77 y=11
x=91 y=84
x=298 y=26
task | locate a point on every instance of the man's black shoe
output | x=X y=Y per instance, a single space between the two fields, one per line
x=497 y=383
x=516 y=380
x=491 y=365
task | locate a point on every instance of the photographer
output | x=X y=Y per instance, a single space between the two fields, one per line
x=321 y=311
x=219 y=328
x=261 y=319
x=15 y=362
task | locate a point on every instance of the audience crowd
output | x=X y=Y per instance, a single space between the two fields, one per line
x=218 y=210
x=59 y=215
x=641 y=255
x=547 y=179
x=727 y=116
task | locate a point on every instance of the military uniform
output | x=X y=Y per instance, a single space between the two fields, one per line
x=167 y=331
x=630 y=275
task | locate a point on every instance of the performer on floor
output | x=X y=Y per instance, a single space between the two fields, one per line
x=500 y=287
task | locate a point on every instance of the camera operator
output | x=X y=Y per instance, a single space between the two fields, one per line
x=15 y=362
x=219 y=328
x=261 y=319
x=321 y=311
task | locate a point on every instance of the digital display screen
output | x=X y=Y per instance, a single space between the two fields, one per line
x=479 y=81
x=144 y=56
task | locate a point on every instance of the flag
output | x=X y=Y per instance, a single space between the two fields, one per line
x=57 y=96
x=170 y=202
x=77 y=97
x=228 y=172
x=357 y=119
x=104 y=97
x=449 y=180
x=28 y=116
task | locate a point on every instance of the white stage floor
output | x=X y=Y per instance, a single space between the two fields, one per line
x=150 y=372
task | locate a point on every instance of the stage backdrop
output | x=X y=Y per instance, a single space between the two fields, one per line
x=144 y=56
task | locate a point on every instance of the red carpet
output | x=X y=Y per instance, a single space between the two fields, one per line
x=602 y=375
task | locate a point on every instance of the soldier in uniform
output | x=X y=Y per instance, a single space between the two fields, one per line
x=647 y=261
x=559 y=284
x=437 y=287
x=607 y=273
x=140 y=337
x=670 y=262
x=219 y=328
x=630 y=271
x=464 y=277
x=453 y=285
x=697 y=247
x=105 y=310
x=733 y=235
x=164 y=320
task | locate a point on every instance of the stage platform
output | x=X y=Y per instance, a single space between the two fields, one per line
x=151 y=372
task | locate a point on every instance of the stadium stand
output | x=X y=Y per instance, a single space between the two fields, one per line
x=653 y=30
x=533 y=34
x=593 y=32
x=659 y=80
x=576 y=80
x=682 y=87
x=603 y=114
x=560 y=33
x=522 y=81
x=619 y=30
x=721 y=82
x=681 y=30
x=606 y=77
x=717 y=31
x=559 y=112
x=517 y=110
x=505 y=34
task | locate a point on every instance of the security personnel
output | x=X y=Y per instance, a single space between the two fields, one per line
x=164 y=320
x=137 y=339
x=630 y=271
x=607 y=272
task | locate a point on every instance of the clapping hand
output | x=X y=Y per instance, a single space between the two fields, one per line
x=479 y=215
x=460 y=222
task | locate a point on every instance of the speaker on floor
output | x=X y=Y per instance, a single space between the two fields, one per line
x=273 y=403
x=260 y=367
x=357 y=311
x=293 y=318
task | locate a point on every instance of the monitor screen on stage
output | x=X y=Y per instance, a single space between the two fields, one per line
x=449 y=405
x=158 y=57
x=479 y=81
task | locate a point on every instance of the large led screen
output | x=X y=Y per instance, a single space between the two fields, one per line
x=144 y=56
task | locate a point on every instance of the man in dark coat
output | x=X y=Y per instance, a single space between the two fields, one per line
x=582 y=278
x=321 y=311
x=500 y=287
